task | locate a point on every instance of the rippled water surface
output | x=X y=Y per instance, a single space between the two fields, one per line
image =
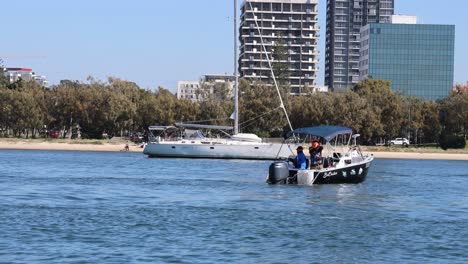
x=85 y=207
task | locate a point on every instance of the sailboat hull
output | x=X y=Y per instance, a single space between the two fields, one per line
x=239 y=146
x=244 y=150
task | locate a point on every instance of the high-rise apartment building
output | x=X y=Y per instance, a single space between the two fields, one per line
x=287 y=25
x=344 y=21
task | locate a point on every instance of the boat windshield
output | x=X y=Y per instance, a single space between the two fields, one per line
x=194 y=134
x=163 y=133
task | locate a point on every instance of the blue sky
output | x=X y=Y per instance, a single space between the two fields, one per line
x=157 y=43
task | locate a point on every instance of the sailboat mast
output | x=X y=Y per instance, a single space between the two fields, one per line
x=236 y=75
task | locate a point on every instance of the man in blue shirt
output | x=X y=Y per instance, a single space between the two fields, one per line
x=301 y=160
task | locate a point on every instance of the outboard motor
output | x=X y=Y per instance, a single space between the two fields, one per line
x=278 y=172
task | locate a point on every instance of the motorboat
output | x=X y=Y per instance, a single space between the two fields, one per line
x=342 y=162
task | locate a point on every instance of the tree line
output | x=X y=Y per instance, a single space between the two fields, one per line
x=117 y=107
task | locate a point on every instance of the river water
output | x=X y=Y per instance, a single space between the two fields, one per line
x=89 y=207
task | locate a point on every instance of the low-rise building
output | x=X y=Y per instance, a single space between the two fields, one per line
x=15 y=74
x=25 y=74
x=42 y=80
x=198 y=90
x=188 y=90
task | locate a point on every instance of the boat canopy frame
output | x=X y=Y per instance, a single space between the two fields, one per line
x=330 y=134
x=326 y=132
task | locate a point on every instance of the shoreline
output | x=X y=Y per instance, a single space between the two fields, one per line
x=98 y=146
x=118 y=146
x=419 y=155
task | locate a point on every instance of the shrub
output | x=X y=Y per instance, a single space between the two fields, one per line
x=452 y=141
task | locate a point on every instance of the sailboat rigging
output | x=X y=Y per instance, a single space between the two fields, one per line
x=173 y=142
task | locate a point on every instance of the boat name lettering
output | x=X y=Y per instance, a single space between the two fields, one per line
x=329 y=174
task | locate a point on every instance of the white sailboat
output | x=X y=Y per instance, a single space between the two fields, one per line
x=173 y=142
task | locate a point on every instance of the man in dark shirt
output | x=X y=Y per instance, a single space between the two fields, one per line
x=315 y=152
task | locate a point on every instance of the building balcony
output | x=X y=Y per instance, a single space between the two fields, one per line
x=248 y=68
x=276 y=19
x=299 y=12
x=339 y=68
x=256 y=76
x=281 y=28
x=301 y=78
x=310 y=60
x=309 y=70
x=269 y=44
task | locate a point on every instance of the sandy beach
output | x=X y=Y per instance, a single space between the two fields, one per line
x=98 y=145
x=420 y=156
x=118 y=146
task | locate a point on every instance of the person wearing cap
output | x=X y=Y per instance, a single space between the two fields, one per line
x=315 y=152
x=301 y=160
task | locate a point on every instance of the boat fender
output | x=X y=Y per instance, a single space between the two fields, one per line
x=278 y=172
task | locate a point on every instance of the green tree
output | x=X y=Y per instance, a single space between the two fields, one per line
x=23 y=113
x=3 y=80
x=431 y=128
x=146 y=109
x=40 y=95
x=6 y=110
x=166 y=111
x=386 y=109
x=415 y=119
x=280 y=63
x=454 y=113
x=125 y=97
x=259 y=110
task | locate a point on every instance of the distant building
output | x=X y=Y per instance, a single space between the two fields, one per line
x=188 y=90
x=315 y=89
x=197 y=90
x=25 y=74
x=322 y=89
x=403 y=19
x=417 y=59
x=42 y=80
x=344 y=21
x=14 y=74
x=289 y=23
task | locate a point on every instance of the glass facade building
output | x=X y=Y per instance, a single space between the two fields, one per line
x=417 y=59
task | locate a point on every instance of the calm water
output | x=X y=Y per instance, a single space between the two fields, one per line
x=84 y=207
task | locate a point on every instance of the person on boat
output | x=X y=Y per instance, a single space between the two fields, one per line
x=315 y=152
x=301 y=160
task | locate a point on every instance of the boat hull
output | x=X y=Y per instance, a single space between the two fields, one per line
x=352 y=174
x=355 y=173
x=244 y=150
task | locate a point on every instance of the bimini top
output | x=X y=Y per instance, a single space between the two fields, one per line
x=327 y=132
